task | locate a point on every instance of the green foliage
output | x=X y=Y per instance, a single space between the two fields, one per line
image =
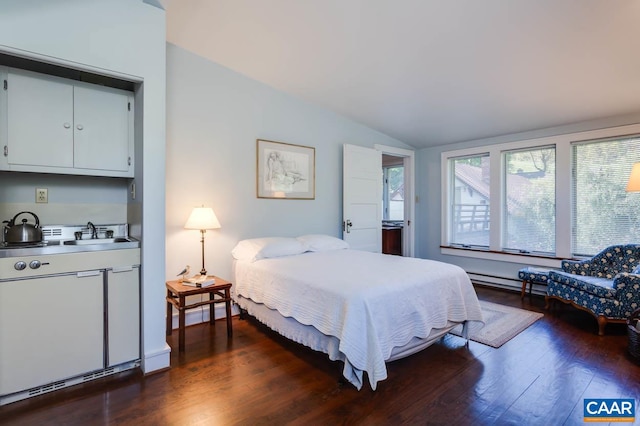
x=472 y=161
x=605 y=213
x=530 y=185
x=396 y=178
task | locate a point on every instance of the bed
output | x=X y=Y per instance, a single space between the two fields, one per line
x=362 y=308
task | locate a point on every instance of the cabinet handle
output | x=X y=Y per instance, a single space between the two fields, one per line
x=79 y=127
x=66 y=125
x=88 y=274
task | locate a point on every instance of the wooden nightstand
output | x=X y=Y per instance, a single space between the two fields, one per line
x=220 y=292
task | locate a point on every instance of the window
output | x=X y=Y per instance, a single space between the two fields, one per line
x=393 y=193
x=563 y=196
x=530 y=200
x=470 y=201
x=603 y=213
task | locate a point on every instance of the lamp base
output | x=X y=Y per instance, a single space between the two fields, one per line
x=202 y=271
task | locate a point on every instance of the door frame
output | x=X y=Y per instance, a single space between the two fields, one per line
x=408 y=233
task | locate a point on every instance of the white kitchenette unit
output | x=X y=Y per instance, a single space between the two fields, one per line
x=70 y=313
x=70 y=295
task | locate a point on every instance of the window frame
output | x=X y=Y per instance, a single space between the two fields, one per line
x=574 y=147
x=504 y=198
x=564 y=201
x=451 y=201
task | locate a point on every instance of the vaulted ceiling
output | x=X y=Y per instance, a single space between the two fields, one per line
x=430 y=72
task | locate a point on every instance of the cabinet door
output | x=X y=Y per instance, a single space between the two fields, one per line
x=123 y=321
x=101 y=129
x=40 y=121
x=51 y=330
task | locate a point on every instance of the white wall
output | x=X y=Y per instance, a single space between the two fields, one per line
x=72 y=200
x=430 y=186
x=214 y=116
x=125 y=39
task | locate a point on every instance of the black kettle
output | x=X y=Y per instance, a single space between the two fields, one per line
x=22 y=233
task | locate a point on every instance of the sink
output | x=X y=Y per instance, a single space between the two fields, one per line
x=97 y=241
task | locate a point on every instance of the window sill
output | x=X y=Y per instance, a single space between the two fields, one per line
x=502 y=256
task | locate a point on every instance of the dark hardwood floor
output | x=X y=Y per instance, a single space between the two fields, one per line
x=538 y=378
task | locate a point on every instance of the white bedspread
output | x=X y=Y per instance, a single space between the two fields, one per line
x=370 y=302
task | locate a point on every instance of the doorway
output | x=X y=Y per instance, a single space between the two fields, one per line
x=397 y=201
x=392 y=204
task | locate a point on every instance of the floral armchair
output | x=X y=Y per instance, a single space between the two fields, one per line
x=607 y=285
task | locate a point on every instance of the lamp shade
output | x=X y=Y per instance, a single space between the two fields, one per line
x=202 y=218
x=634 y=179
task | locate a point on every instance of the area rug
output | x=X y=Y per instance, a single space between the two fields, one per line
x=502 y=323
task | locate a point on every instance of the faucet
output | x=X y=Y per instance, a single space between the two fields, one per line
x=94 y=232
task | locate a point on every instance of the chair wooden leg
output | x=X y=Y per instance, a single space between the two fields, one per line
x=602 y=322
x=524 y=289
x=547 y=303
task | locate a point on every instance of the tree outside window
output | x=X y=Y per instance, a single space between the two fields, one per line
x=530 y=200
x=603 y=213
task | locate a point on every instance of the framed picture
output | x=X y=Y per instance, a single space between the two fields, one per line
x=285 y=170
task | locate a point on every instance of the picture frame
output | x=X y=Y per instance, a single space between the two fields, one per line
x=285 y=171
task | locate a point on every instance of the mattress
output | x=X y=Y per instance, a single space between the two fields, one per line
x=358 y=307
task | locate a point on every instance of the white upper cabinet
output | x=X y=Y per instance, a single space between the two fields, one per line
x=40 y=119
x=101 y=130
x=53 y=125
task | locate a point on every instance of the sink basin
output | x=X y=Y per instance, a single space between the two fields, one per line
x=97 y=241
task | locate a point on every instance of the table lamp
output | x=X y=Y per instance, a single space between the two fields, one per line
x=202 y=218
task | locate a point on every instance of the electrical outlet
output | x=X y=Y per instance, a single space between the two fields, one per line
x=42 y=195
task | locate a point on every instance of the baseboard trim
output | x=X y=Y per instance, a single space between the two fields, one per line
x=200 y=315
x=159 y=360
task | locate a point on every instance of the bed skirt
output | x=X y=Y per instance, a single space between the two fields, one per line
x=309 y=336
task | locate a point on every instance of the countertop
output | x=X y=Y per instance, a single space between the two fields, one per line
x=59 y=247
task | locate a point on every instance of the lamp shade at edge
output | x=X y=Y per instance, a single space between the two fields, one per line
x=634 y=179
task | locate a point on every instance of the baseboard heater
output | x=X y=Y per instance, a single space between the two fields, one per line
x=83 y=378
x=505 y=283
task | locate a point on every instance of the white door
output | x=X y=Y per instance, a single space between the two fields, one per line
x=362 y=198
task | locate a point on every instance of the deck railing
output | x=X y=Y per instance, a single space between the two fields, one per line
x=471 y=217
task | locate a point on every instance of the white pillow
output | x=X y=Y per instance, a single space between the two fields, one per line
x=264 y=248
x=320 y=242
